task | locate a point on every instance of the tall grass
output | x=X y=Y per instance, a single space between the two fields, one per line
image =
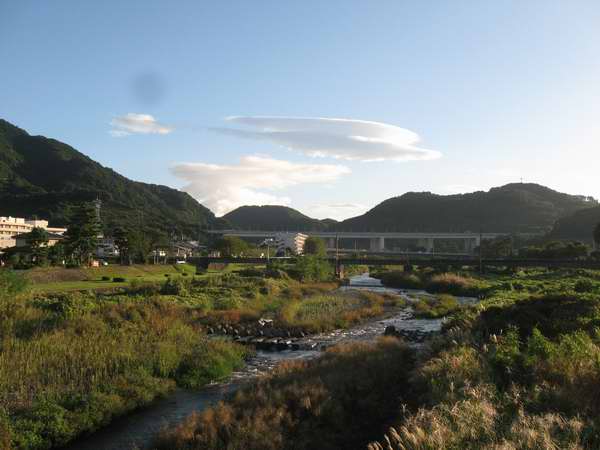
x=323 y=312
x=69 y=363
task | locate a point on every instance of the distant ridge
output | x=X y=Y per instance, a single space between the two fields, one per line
x=273 y=218
x=45 y=177
x=513 y=208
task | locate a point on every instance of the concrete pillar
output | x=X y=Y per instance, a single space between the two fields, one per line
x=331 y=243
x=377 y=244
x=426 y=243
x=429 y=246
x=471 y=244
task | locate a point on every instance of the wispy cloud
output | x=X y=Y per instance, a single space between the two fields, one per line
x=133 y=123
x=252 y=181
x=354 y=140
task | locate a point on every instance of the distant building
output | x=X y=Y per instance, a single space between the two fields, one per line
x=294 y=242
x=106 y=248
x=22 y=240
x=10 y=227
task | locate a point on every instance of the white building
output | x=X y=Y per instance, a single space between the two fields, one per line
x=106 y=248
x=292 y=241
x=12 y=226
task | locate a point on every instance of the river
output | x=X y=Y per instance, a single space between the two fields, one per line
x=137 y=429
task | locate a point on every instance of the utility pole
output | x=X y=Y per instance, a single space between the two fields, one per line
x=480 y=251
x=337 y=254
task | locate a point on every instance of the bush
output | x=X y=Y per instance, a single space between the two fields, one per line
x=119 y=280
x=401 y=280
x=433 y=307
x=453 y=284
x=176 y=286
x=584 y=285
x=105 y=278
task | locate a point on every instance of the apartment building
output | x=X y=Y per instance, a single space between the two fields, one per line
x=13 y=226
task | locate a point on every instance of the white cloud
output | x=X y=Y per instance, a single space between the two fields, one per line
x=354 y=140
x=337 y=211
x=223 y=188
x=132 y=123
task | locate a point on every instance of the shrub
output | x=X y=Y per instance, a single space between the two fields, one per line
x=119 y=280
x=584 y=285
x=453 y=284
x=432 y=307
x=176 y=286
x=105 y=278
x=402 y=280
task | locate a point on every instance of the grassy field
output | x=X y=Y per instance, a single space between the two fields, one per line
x=58 y=279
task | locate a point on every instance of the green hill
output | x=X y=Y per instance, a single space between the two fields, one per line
x=577 y=226
x=272 y=218
x=45 y=177
x=518 y=207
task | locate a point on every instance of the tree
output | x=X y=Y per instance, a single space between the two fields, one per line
x=122 y=243
x=38 y=245
x=231 y=246
x=597 y=236
x=139 y=246
x=315 y=246
x=82 y=234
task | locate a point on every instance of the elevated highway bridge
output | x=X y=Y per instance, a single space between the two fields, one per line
x=376 y=239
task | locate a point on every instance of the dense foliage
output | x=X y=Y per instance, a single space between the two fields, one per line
x=315 y=246
x=272 y=218
x=578 y=225
x=44 y=177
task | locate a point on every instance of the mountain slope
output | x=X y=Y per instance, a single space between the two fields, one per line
x=578 y=226
x=45 y=177
x=518 y=207
x=272 y=218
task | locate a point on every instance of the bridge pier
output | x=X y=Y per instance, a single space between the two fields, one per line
x=471 y=244
x=377 y=244
x=330 y=243
x=427 y=243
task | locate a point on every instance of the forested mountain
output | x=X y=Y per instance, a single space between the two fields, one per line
x=272 y=218
x=517 y=207
x=45 y=177
x=578 y=225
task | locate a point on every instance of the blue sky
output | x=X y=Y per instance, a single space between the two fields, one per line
x=445 y=97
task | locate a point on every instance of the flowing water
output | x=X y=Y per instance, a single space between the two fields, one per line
x=137 y=429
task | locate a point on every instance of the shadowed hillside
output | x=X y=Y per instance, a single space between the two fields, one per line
x=272 y=218
x=578 y=225
x=518 y=207
x=45 y=177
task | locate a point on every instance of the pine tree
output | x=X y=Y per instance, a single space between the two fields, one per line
x=82 y=234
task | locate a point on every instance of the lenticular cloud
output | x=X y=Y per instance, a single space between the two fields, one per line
x=354 y=140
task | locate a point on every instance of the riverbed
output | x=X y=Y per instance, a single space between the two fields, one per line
x=137 y=429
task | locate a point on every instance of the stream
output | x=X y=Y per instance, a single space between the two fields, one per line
x=137 y=429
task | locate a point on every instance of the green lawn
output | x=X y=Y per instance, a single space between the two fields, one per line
x=58 y=279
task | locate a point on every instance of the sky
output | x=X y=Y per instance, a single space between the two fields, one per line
x=329 y=107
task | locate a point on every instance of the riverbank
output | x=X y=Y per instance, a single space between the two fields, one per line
x=518 y=370
x=72 y=362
